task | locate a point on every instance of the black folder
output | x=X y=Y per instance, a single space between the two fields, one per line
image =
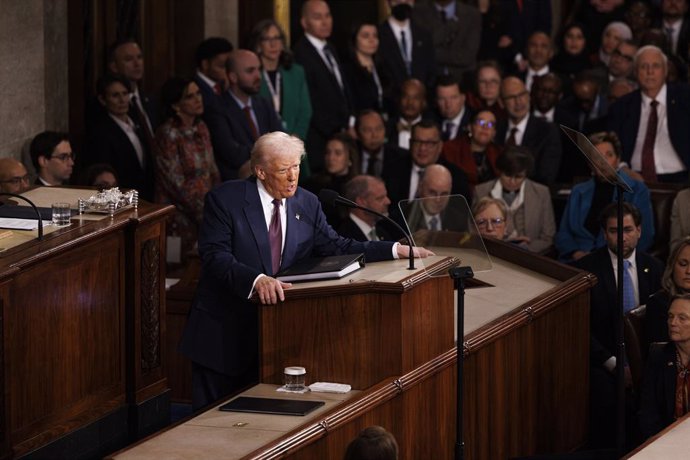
x=271 y=406
x=322 y=268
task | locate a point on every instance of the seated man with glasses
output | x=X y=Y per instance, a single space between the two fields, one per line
x=13 y=176
x=52 y=156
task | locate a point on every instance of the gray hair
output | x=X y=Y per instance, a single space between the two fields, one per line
x=636 y=59
x=275 y=144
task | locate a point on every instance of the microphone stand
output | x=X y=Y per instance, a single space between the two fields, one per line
x=459 y=275
x=332 y=197
x=38 y=214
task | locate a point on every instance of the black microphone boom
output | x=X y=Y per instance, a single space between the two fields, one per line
x=38 y=214
x=332 y=198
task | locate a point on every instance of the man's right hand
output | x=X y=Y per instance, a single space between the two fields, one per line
x=270 y=290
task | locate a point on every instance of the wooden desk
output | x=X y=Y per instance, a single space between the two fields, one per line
x=82 y=337
x=671 y=444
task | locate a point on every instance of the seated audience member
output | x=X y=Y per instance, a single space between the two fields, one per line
x=13 y=176
x=412 y=104
x=638 y=15
x=454 y=115
x=573 y=55
x=455 y=28
x=243 y=118
x=403 y=176
x=360 y=68
x=185 y=169
x=523 y=129
x=487 y=95
x=675 y=23
x=614 y=34
x=539 y=52
x=579 y=232
x=282 y=81
x=641 y=278
x=664 y=397
x=619 y=87
x=52 y=157
x=375 y=153
x=652 y=122
x=584 y=105
x=531 y=223
x=99 y=175
x=490 y=215
x=370 y=192
x=546 y=92
x=675 y=282
x=680 y=217
x=117 y=141
x=372 y=443
x=431 y=211
x=342 y=164
x=475 y=152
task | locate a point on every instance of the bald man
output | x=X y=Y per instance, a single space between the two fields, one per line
x=13 y=176
x=242 y=117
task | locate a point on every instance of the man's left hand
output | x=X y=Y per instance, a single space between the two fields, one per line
x=419 y=253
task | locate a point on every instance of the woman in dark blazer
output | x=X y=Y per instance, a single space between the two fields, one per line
x=282 y=81
x=665 y=392
x=360 y=69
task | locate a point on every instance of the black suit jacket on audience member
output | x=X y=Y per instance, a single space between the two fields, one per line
x=212 y=102
x=391 y=66
x=391 y=154
x=349 y=229
x=331 y=105
x=543 y=140
x=231 y=135
x=108 y=143
x=658 y=392
x=464 y=122
x=624 y=119
x=365 y=94
x=397 y=179
x=603 y=297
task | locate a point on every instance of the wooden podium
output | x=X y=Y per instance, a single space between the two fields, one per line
x=383 y=320
x=82 y=333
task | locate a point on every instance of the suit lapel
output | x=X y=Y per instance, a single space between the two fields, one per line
x=642 y=278
x=293 y=216
x=236 y=113
x=395 y=45
x=254 y=213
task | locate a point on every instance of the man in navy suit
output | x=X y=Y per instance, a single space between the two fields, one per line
x=370 y=192
x=644 y=273
x=243 y=220
x=211 y=57
x=243 y=117
x=669 y=105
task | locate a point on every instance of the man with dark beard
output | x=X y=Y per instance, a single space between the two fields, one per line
x=243 y=117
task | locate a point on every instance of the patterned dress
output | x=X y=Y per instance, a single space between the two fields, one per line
x=185 y=172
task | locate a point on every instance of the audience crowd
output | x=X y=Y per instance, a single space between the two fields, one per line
x=442 y=97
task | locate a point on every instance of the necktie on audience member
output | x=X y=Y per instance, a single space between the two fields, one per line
x=372 y=234
x=252 y=126
x=275 y=236
x=433 y=223
x=333 y=64
x=512 y=141
x=628 y=288
x=405 y=56
x=448 y=130
x=143 y=125
x=648 y=166
x=216 y=89
x=371 y=165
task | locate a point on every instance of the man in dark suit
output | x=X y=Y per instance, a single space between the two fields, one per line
x=243 y=118
x=676 y=24
x=522 y=19
x=660 y=153
x=402 y=177
x=405 y=51
x=454 y=115
x=251 y=230
x=331 y=99
x=211 y=76
x=539 y=136
x=642 y=278
x=52 y=156
x=374 y=152
x=117 y=140
x=411 y=107
x=370 y=192
x=456 y=31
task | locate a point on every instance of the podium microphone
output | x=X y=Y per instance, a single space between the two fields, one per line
x=38 y=214
x=332 y=198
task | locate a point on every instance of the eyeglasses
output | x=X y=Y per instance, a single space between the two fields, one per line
x=64 y=157
x=494 y=222
x=621 y=55
x=17 y=180
x=484 y=123
x=423 y=143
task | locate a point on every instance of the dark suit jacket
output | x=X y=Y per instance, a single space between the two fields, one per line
x=464 y=122
x=231 y=135
x=213 y=102
x=349 y=229
x=331 y=106
x=603 y=297
x=391 y=66
x=543 y=140
x=391 y=154
x=221 y=332
x=658 y=392
x=108 y=143
x=535 y=15
x=624 y=119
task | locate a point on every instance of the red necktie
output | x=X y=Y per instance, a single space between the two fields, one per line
x=648 y=168
x=275 y=236
x=216 y=89
x=250 y=120
x=511 y=139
